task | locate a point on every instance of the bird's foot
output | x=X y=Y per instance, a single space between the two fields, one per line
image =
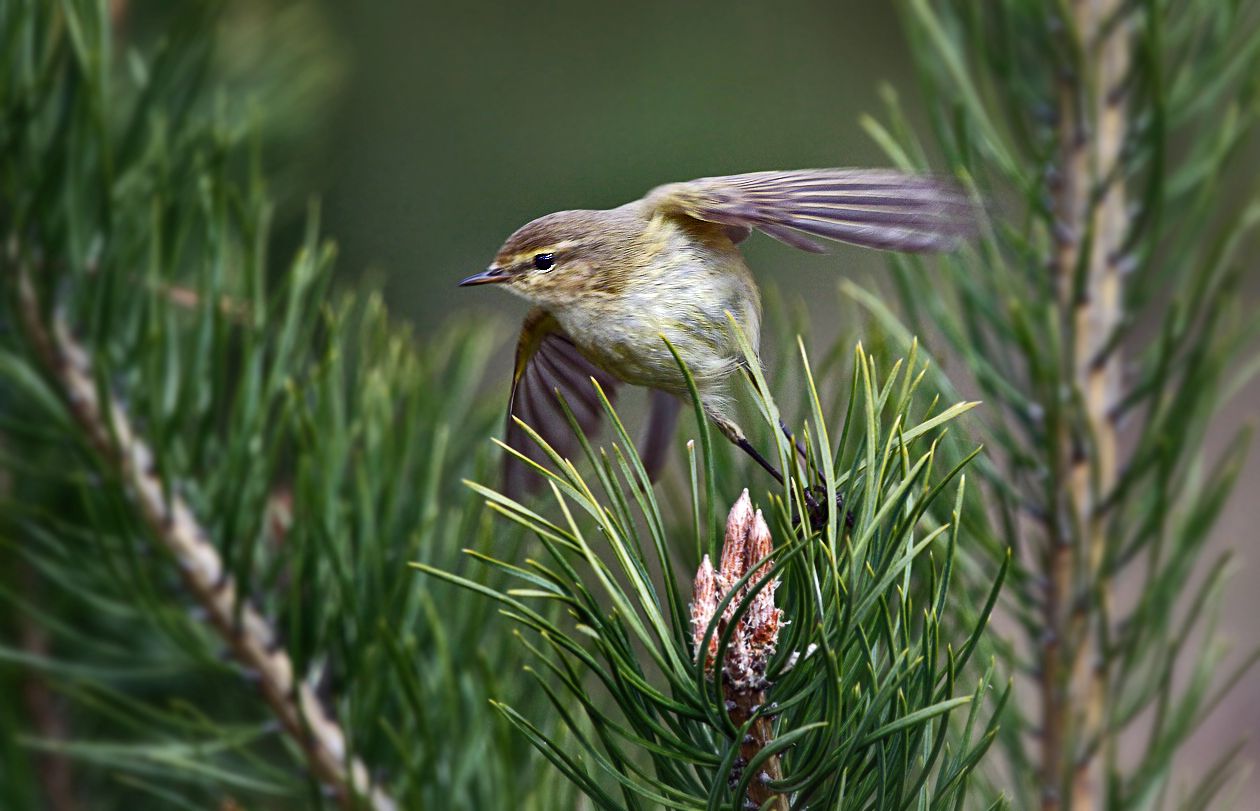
x=816 y=505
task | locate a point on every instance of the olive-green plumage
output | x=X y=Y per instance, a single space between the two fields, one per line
x=607 y=285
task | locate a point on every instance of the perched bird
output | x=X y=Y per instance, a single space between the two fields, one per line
x=609 y=285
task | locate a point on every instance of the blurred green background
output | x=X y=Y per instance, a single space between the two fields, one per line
x=449 y=125
x=428 y=132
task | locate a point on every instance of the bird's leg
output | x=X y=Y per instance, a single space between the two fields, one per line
x=736 y=435
x=817 y=512
x=747 y=448
x=800 y=446
x=815 y=494
x=817 y=515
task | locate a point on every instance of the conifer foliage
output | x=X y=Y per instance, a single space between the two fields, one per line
x=253 y=553
x=216 y=471
x=1100 y=318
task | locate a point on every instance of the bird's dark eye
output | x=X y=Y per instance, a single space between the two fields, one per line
x=544 y=261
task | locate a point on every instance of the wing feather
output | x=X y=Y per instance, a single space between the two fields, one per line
x=874 y=208
x=550 y=368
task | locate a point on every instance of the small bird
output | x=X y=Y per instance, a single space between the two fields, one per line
x=609 y=286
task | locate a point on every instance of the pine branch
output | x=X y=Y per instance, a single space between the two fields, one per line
x=298 y=440
x=1089 y=204
x=814 y=676
x=172 y=524
x=1072 y=114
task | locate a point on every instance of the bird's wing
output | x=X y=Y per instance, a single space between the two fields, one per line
x=875 y=208
x=550 y=367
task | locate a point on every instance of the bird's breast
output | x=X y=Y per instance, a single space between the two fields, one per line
x=685 y=299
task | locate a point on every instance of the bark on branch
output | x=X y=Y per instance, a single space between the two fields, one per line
x=172 y=524
x=1089 y=205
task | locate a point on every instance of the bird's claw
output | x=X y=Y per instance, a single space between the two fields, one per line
x=815 y=504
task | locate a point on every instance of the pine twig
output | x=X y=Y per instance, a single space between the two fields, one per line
x=170 y=521
x=1089 y=206
x=743 y=670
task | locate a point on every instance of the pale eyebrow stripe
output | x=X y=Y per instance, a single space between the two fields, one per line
x=528 y=256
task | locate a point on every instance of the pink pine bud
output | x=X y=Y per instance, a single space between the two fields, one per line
x=747 y=541
x=704 y=603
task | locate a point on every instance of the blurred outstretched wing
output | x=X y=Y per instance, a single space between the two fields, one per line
x=875 y=208
x=549 y=367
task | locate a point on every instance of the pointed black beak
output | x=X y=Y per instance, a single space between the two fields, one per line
x=491 y=275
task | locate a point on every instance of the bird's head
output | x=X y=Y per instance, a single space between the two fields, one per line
x=554 y=257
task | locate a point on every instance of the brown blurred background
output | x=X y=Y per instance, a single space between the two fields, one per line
x=430 y=131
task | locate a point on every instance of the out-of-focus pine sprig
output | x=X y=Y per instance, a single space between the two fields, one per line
x=853 y=706
x=214 y=470
x=1100 y=317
